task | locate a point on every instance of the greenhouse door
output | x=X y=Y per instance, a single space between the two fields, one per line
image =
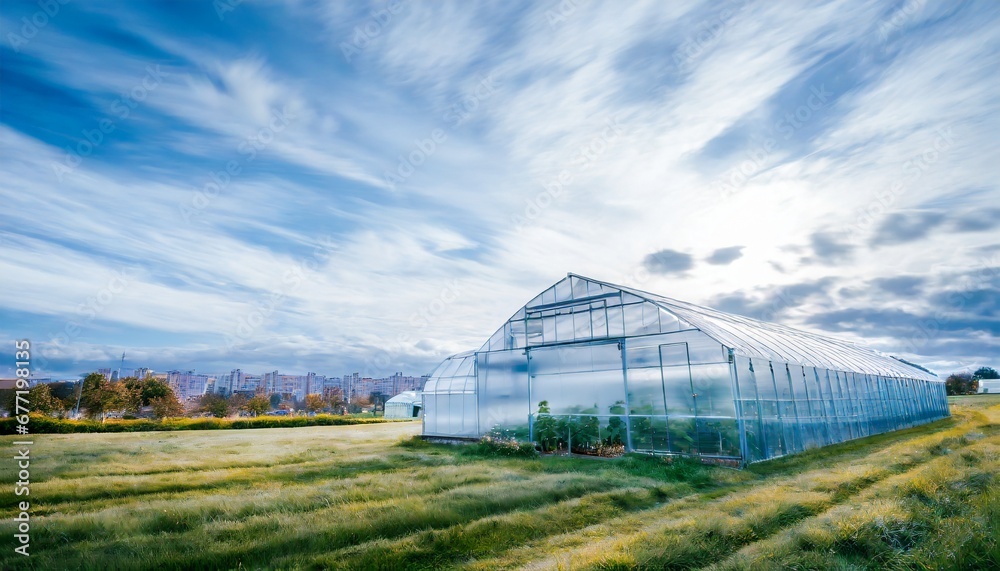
x=583 y=387
x=678 y=395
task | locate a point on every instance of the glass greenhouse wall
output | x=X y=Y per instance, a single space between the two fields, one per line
x=588 y=365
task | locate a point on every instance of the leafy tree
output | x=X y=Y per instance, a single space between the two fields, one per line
x=214 y=404
x=8 y=399
x=314 y=403
x=378 y=399
x=960 y=384
x=153 y=388
x=334 y=397
x=275 y=400
x=127 y=394
x=985 y=373
x=258 y=405
x=98 y=396
x=166 y=406
x=65 y=392
x=40 y=400
x=238 y=402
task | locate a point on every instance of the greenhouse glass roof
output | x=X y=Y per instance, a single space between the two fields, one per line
x=745 y=336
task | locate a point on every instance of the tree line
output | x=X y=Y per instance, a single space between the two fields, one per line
x=968 y=383
x=97 y=397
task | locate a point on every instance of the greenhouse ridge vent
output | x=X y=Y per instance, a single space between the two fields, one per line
x=588 y=364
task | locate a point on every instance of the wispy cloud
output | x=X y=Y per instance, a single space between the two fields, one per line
x=826 y=164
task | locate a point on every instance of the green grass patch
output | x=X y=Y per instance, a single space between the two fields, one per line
x=376 y=496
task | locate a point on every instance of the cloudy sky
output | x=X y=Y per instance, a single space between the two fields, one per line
x=337 y=187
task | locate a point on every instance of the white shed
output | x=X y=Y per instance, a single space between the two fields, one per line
x=407 y=404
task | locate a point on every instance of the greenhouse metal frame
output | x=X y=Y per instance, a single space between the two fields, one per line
x=589 y=366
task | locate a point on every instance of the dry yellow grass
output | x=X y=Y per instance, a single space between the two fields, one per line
x=357 y=497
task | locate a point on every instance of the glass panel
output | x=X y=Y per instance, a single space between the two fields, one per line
x=674 y=354
x=503 y=391
x=534 y=332
x=564 y=328
x=615 y=321
x=594 y=289
x=579 y=288
x=645 y=391
x=650 y=318
x=677 y=387
x=706 y=350
x=563 y=290
x=581 y=326
x=633 y=319
x=643 y=356
x=669 y=322
x=599 y=320
x=548 y=296
x=577 y=379
x=517 y=334
x=682 y=435
x=766 y=394
x=713 y=390
x=751 y=415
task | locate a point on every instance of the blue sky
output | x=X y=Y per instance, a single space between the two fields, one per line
x=337 y=187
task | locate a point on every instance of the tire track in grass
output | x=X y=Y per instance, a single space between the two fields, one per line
x=259 y=540
x=153 y=470
x=690 y=536
x=117 y=487
x=884 y=526
x=435 y=549
x=182 y=512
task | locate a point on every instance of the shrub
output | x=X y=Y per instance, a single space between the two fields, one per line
x=496 y=447
x=414 y=442
x=47 y=425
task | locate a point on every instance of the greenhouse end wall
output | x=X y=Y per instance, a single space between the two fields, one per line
x=598 y=370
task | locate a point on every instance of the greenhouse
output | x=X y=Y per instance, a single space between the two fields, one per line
x=591 y=366
x=406 y=404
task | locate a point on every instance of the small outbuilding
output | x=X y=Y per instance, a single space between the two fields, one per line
x=989 y=386
x=407 y=404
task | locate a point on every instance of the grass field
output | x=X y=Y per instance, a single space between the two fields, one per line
x=357 y=497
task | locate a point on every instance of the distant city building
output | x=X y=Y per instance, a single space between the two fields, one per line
x=190 y=384
x=140 y=373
